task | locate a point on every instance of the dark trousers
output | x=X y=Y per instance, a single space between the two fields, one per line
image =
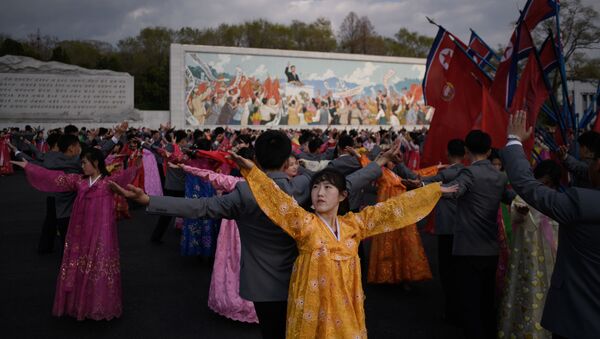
x=475 y=286
x=272 y=316
x=164 y=220
x=446 y=272
x=48 y=236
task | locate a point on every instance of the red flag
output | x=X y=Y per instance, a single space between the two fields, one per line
x=451 y=87
x=536 y=11
x=267 y=87
x=506 y=75
x=548 y=57
x=494 y=119
x=275 y=90
x=530 y=95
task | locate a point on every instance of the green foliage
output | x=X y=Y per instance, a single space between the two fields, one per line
x=146 y=55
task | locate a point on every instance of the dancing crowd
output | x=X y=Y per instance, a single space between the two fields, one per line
x=292 y=217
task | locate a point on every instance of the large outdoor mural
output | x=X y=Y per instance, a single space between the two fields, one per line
x=243 y=89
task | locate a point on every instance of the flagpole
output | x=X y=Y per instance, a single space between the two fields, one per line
x=486 y=45
x=471 y=59
x=563 y=71
x=545 y=79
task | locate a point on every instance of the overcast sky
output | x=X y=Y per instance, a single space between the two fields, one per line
x=111 y=20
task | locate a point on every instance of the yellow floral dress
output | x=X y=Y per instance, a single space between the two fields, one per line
x=326 y=297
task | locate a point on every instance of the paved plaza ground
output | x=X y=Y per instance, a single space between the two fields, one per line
x=164 y=295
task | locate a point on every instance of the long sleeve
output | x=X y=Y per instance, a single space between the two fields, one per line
x=122 y=178
x=562 y=207
x=398 y=212
x=47 y=180
x=219 y=181
x=464 y=180
x=281 y=208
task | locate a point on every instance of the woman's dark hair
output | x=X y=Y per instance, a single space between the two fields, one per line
x=94 y=154
x=337 y=179
x=548 y=168
x=180 y=135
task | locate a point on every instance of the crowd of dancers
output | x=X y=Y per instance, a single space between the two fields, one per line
x=291 y=218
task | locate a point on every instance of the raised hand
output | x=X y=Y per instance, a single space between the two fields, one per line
x=132 y=193
x=517 y=126
x=242 y=162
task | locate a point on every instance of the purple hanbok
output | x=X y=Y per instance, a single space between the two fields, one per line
x=89 y=280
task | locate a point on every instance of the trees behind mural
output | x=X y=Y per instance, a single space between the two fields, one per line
x=146 y=56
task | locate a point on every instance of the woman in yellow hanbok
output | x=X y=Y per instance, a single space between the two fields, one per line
x=326 y=297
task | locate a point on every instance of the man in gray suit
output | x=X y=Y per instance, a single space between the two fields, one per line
x=445 y=220
x=573 y=302
x=268 y=253
x=579 y=167
x=475 y=249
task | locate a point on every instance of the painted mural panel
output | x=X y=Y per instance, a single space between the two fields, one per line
x=243 y=89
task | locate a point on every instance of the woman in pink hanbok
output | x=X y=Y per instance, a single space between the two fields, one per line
x=89 y=280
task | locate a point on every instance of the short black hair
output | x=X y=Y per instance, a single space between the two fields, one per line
x=345 y=141
x=548 y=168
x=66 y=140
x=102 y=131
x=53 y=139
x=494 y=155
x=588 y=139
x=478 y=142
x=314 y=144
x=203 y=144
x=246 y=153
x=219 y=130
x=71 y=129
x=456 y=148
x=304 y=137
x=180 y=135
x=272 y=148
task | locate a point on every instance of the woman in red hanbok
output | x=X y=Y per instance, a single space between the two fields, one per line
x=89 y=280
x=5 y=165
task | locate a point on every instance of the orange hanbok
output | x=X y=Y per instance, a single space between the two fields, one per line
x=396 y=256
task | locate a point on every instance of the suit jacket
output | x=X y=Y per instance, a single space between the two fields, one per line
x=327 y=155
x=446 y=209
x=404 y=172
x=267 y=253
x=573 y=301
x=72 y=165
x=291 y=76
x=481 y=189
x=175 y=177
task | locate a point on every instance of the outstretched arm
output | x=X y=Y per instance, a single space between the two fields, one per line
x=47 y=180
x=219 y=181
x=399 y=211
x=281 y=208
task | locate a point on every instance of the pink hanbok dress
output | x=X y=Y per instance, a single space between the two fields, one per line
x=224 y=294
x=89 y=280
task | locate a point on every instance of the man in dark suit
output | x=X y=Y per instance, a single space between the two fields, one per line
x=475 y=248
x=573 y=302
x=290 y=73
x=174 y=187
x=445 y=220
x=579 y=167
x=268 y=253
